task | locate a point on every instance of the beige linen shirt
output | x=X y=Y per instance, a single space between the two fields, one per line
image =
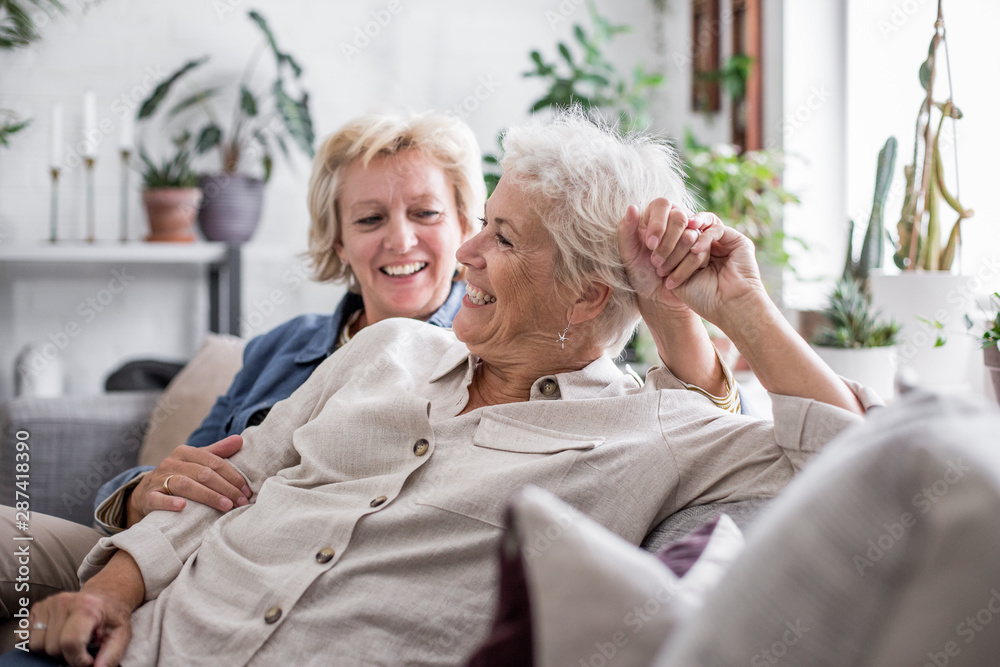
x=377 y=511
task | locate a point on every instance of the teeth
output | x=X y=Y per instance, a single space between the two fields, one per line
x=478 y=296
x=404 y=269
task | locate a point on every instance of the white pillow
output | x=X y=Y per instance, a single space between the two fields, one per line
x=595 y=597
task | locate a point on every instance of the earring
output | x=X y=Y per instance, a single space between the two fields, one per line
x=562 y=337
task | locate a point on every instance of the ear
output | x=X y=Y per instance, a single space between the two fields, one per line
x=338 y=248
x=591 y=303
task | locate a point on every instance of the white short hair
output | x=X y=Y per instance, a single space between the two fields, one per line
x=581 y=175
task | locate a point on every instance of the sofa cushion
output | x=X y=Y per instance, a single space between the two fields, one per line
x=882 y=552
x=570 y=590
x=190 y=396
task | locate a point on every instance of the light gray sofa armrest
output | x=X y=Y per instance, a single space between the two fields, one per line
x=76 y=444
x=679 y=524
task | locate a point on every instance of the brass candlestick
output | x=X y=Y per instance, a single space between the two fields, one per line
x=91 y=218
x=54 y=206
x=123 y=216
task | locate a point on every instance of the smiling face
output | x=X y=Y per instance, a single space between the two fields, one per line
x=400 y=230
x=512 y=305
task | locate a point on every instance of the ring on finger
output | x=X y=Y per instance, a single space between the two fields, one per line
x=38 y=626
x=166 y=485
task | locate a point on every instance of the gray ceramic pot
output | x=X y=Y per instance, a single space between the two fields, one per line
x=231 y=206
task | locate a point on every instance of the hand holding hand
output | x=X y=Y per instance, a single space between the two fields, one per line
x=64 y=624
x=201 y=474
x=672 y=256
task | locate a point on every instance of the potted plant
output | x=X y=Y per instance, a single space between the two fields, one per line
x=857 y=343
x=170 y=193
x=264 y=119
x=922 y=296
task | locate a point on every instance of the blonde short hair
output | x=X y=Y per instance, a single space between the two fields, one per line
x=444 y=140
x=581 y=175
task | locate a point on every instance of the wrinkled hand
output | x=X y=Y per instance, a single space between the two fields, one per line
x=672 y=256
x=201 y=474
x=72 y=619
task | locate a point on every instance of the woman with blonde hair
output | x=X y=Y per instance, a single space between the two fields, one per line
x=391 y=199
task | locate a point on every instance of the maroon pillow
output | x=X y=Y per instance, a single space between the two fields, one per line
x=509 y=641
x=685 y=552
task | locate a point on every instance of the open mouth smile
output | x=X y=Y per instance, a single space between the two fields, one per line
x=399 y=270
x=478 y=296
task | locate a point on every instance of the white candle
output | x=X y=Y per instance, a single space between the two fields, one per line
x=56 y=137
x=128 y=132
x=90 y=123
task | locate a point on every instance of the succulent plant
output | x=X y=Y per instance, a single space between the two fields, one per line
x=873 y=247
x=852 y=322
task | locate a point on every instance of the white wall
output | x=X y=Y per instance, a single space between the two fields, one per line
x=433 y=54
x=889 y=40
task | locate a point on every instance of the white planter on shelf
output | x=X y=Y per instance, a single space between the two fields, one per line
x=936 y=296
x=874 y=367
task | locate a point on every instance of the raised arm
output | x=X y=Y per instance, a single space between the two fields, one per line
x=727 y=291
x=682 y=342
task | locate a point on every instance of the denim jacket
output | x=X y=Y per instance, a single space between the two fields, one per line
x=275 y=364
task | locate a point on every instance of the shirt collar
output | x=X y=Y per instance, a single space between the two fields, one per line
x=599 y=378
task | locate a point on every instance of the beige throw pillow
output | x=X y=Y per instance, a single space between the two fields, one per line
x=190 y=396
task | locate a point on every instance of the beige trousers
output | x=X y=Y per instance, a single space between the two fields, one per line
x=48 y=566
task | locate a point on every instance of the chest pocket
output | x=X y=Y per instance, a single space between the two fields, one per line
x=506 y=455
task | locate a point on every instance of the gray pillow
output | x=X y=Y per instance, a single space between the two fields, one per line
x=884 y=551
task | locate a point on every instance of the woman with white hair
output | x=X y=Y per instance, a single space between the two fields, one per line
x=380 y=485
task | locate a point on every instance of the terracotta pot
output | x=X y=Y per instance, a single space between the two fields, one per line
x=171 y=212
x=991 y=355
x=230 y=211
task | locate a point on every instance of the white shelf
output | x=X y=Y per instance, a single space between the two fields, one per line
x=113 y=251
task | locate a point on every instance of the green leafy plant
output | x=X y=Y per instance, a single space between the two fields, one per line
x=919 y=245
x=175 y=172
x=744 y=190
x=873 y=247
x=733 y=75
x=250 y=127
x=584 y=76
x=10 y=124
x=852 y=323
x=991 y=334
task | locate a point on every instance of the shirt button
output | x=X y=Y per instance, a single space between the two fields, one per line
x=325 y=555
x=548 y=387
x=378 y=501
x=272 y=615
x=421 y=447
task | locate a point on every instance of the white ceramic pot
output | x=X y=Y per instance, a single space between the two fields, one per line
x=874 y=367
x=935 y=296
